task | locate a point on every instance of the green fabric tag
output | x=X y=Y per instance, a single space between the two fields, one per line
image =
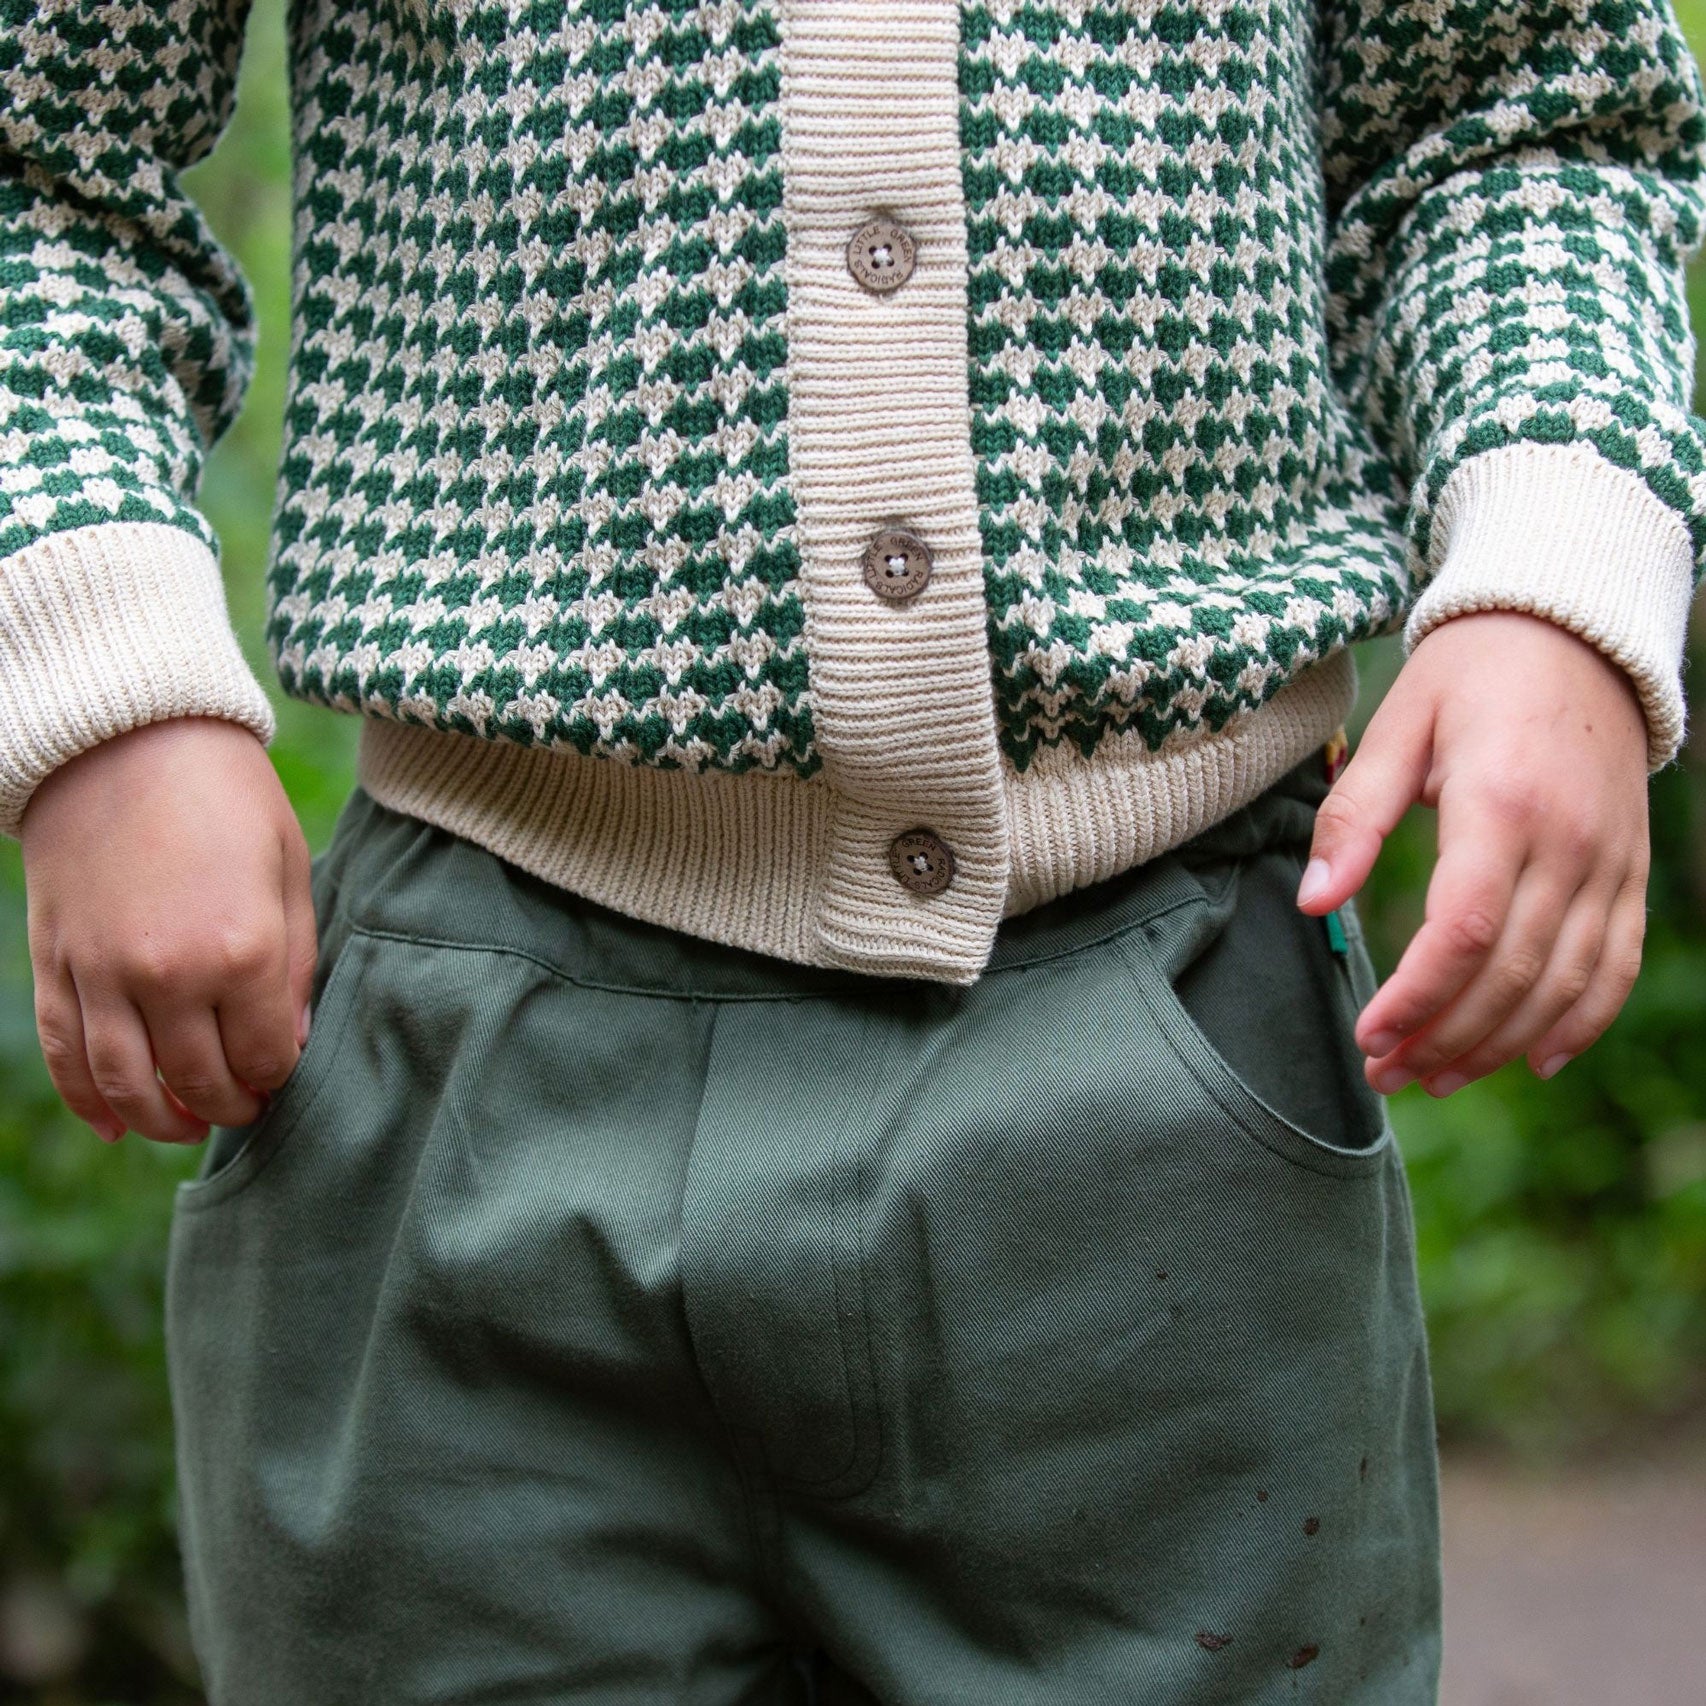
x=1336 y=933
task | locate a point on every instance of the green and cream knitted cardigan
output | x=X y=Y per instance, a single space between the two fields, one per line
x=1239 y=330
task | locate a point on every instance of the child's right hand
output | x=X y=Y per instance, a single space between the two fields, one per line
x=170 y=926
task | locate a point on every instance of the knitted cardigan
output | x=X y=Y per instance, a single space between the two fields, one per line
x=1238 y=331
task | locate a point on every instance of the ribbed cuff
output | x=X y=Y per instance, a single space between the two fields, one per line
x=104 y=629
x=1558 y=531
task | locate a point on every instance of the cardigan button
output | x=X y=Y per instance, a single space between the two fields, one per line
x=880 y=255
x=921 y=861
x=897 y=565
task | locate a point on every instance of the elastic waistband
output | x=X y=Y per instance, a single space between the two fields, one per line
x=386 y=873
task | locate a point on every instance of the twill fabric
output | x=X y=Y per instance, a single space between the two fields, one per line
x=600 y=1314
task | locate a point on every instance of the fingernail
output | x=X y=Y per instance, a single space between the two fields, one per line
x=107 y=1132
x=1382 y=1042
x=302 y=1025
x=1446 y=1084
x=1558 y=1061
x=1315 y=878
x=1393 y=1079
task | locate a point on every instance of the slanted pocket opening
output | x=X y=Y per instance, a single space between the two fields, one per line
x=1255 y=1001
x=234 y=1155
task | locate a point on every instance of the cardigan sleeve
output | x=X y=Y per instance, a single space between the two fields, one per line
x=1513 y=194
x=126 y=344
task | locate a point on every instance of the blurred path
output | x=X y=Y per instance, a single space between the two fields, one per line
x=1585 y=1591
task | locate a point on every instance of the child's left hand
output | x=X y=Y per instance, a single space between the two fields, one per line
x=1532 y=744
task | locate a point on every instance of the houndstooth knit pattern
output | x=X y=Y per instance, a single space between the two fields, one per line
x=1177 y=513
x=1246 y=285
x=127 y=335
x=536 y=485
x=1510 y=240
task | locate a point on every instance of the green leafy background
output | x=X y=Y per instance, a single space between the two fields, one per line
x=1562 y=1225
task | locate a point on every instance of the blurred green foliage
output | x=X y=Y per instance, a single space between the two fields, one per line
x=1562 y=1225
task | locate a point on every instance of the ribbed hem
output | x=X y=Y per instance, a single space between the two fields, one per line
x=743 y=858
x=735 y=857
x=1558 y=531
x=1075 y=820
x=106 y=628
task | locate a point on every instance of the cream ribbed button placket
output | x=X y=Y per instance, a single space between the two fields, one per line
x=879 y=437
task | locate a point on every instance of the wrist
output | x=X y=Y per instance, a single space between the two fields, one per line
x=127 y=769
x=1537 y=669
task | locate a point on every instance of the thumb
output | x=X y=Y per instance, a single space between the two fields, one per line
x=1383 y=779
x=301 y=930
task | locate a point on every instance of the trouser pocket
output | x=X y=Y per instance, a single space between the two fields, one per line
x=440 y=1432
x=1260 y=1003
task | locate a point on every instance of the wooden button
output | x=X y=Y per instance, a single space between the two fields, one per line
x=897 y=564
x=921 y=861
x=880 y=254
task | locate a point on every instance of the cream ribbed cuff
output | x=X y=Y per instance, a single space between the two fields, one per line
x=103 y=629
x=1558 y=531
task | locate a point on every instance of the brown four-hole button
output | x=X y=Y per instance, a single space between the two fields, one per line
x=880 y=255
x=897 y=564
x=922 y=861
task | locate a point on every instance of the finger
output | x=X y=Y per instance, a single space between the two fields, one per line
x=1481 y=854
x=301 y=930
x=1383 y=779
x=1614 y=976
x=121 y=1061
x=59 y=1025
x=1572 y=954
x=257 y=1015
x=191 y=1056
x=1512 y=968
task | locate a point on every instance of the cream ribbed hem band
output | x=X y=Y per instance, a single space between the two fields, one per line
x=750 y=858
x=1558 y=531
x=103 y=629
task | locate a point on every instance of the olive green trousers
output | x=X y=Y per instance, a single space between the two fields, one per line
x=601 y=1314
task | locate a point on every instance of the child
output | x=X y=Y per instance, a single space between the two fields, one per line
x=835 y=1156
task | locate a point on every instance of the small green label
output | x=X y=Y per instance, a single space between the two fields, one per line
x=1341 y=943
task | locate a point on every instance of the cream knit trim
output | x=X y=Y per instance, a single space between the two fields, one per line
x=879 y=417
x=105 y=628
x=741 y=857
x=1076 y=820
x=1560 y=532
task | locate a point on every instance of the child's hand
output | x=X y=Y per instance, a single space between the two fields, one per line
x=1533 y=746
x=170 y=924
